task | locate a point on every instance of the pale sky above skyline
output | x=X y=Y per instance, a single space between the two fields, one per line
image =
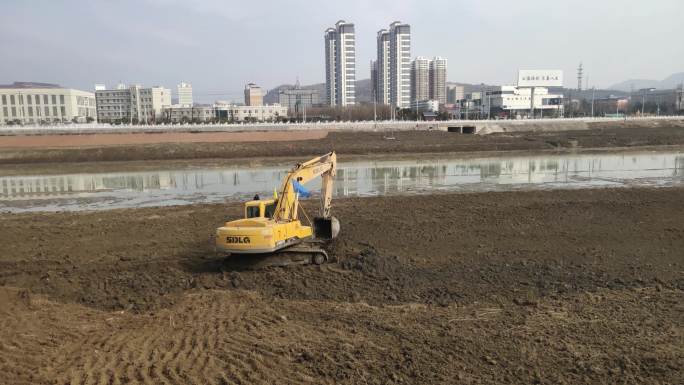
x=219 y=46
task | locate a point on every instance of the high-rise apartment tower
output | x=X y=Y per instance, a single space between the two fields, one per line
x=438 y=78
x=428 y=80
x=400 y=65
x=381 y=85
x=340 y=64
x=420 y=79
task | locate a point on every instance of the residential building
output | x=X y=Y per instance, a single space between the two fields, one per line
x=455 y=93
x=185 y=94
x=400 y=65
x=330 y=38
x=254 y=96
x=438 y=77
x=183 y=113
x=132 y=104
x=296 y=100
x=340 y=62
x=374 y=79
x=428 y=80
x=420 y=79
x=381 y=84
x=36 y=103
x=516 y=101
x=267 y=113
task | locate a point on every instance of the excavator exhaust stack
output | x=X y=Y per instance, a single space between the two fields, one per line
x=326 y=228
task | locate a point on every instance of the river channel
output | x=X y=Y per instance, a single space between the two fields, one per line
x=110 y=190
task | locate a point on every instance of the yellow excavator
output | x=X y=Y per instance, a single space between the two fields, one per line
x=271 y=232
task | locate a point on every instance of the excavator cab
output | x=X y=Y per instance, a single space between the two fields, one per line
x=260 y=208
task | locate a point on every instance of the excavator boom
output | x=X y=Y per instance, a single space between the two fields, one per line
x=324 y=166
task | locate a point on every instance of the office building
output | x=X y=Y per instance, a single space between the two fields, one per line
x=296 y=100
x=515 y=101
x=340 y=63
x=381 y=84
x=38 y=103
x=438 y=78
x=399 y=65
x=254 y=96
x=420 y=79
x=131 y=104
x=185 y=94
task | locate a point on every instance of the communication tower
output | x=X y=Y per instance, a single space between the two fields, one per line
x=580 y=72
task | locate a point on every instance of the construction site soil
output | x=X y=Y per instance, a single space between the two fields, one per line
x=556 y=287
x=272 y=144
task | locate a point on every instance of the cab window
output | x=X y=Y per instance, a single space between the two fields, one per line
x=253 y=211
x=269 y=210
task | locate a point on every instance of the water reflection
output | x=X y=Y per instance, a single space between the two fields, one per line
x=154 y=188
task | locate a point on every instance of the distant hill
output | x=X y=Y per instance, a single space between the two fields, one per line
x=672 y=81
x=363 y=91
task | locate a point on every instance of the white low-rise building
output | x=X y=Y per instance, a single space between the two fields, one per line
x=41 y=103
x=188 y=114
x=235 y=113
x=517 y=101
x=131 y=104
x=425 y=105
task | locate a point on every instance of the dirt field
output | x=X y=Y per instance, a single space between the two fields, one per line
x=582 y=286
x=100 y=140
x=603 y=135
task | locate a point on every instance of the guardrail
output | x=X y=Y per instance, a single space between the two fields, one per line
x=399 y=125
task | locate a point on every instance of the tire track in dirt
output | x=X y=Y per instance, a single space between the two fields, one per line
x=207 y=338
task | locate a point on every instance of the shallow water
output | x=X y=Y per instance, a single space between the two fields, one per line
x=101 y=191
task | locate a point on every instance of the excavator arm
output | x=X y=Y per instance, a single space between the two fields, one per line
x=323 y=166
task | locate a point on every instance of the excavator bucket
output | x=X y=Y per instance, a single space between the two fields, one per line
x=326 y=228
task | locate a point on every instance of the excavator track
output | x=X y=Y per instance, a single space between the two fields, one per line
x=305 y=253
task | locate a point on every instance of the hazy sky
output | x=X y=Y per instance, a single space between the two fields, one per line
x=219 y=45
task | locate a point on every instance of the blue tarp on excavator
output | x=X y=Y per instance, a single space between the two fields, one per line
x=299 y=189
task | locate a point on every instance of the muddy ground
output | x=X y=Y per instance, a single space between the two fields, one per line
x=602 y=135
x=581 y=286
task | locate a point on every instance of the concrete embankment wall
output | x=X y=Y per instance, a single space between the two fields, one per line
x=490 y=127
x=482 y=127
